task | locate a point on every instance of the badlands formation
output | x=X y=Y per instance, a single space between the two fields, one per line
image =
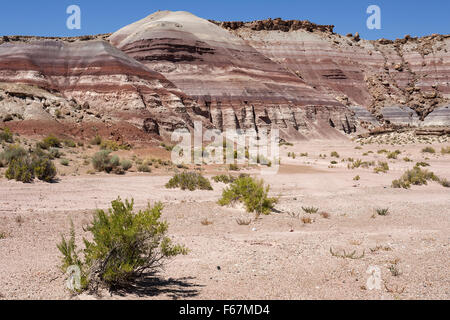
x=355 y=114
x=172 y=68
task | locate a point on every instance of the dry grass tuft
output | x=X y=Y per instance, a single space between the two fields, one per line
x=345 y=255
x=243 y=221
x=325 y=215
x=310 y=210
x=307 y=220
x=206 y=222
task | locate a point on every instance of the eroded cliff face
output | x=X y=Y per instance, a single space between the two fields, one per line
x=409 y=72
x=233 y=83
x=173 y=68
x=87 y=82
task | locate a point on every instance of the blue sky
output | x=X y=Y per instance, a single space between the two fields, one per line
x=399 y=17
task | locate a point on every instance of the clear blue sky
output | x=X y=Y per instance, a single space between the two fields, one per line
x=399 y=17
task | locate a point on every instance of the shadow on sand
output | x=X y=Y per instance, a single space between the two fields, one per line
x=181 y=288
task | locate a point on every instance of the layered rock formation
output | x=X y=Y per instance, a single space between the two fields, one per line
x=400 y=115
x=173 y=68
x=439 y=117
x=233 y=83
x=87 y=81
x=411 y=71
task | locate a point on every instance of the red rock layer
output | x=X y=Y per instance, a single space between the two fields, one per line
x=91 y=75
x=238 y=86
x=374 y=74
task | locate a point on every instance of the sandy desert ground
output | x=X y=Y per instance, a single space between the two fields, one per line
x=275 y=257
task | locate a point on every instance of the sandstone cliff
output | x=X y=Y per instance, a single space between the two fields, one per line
x=173 y=68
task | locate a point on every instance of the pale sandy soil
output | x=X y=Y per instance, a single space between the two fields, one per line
x=276 y=257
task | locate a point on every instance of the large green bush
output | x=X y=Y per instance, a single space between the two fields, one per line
x=429 y=150
x=49 y=142
x=126 y=165
x=190 y=181
x=25 y=166
x=44 y=169
x=103 y=161
x=12 y=152
x=125 y=246
x=252 y=193
x=20 y=170
x=415 y=176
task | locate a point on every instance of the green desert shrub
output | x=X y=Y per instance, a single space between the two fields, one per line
x=12 y=152
x=54 y=153
x=334 y=154
x=358 y=163
x=126 y=165
x=144 y=168
x=70 y=143
x=20 y=170
x=161 y=162
x=189 y=181
x=445 y=150
x=64 y=162
x=422 y=164
x=261 y=160
x=428 y=150
x=304 y=154
x=125 y=246
x=96 y=141
x=415 y=176
x=103 y=161
x=50 y=142
x=310 y=210
x=113 y=145
x=109 y=145
x=227 y=179
x=400 y=183
x=6 y=135
x=394 y=155
x=445 y=183
x=115 y=161
x=382 y=211
x=25 y=166
x=252 y=193
x=382 y=167
x=167 y=147
x=44 y=169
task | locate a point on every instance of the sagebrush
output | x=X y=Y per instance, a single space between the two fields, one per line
x=416 y=176
x=252 y=193
x=126 y=246
x=189 y=181
x=25 y=165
